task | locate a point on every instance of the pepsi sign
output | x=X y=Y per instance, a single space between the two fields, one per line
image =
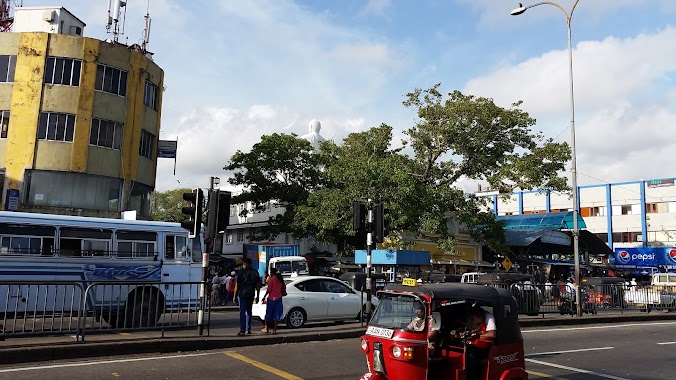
x=645 y=257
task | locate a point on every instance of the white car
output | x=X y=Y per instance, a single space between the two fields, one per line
x=317 y=298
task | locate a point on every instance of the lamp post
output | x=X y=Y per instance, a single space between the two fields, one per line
x=573 y=167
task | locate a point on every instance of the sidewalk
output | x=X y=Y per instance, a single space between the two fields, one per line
x=222 y=335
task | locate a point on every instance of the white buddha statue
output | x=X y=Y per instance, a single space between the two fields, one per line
x=314 y=137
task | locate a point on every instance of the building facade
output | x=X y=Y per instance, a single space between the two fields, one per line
x=80 y=119
x=627 y=214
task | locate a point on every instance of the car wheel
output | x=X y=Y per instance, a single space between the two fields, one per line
x=296 y=318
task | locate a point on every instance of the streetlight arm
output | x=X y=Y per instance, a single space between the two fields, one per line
x=568 y=16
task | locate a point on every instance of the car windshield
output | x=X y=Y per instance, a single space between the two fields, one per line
x=300 y=266
x=395 y=311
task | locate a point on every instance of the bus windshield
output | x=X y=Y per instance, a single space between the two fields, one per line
x=396 y=311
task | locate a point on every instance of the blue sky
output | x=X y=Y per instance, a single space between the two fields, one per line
x=237 y=69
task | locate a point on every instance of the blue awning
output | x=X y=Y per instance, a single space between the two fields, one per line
x=550 y=221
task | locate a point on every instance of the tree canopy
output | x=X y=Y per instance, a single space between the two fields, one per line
x=457 y=137
x=166 y=206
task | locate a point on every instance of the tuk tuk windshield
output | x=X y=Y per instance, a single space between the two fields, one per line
x=396 y=311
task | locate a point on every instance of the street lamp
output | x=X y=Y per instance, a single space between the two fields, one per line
x=573 y=166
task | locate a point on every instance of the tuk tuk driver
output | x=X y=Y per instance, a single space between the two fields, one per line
x=418 y=325
x=481 y=336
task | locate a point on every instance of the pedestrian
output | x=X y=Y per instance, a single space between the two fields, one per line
x=215 y=290
x=247 y=291
x=633 y=282
x=274 y=308
x=229 y=286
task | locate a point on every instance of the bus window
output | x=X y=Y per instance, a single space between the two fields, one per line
x=21 y=245
x=176 y=247
x=136 y=244
x=84 y=242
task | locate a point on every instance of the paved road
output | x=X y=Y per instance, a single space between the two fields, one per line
x=642 y=351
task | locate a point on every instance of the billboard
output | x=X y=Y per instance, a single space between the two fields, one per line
x=635 y=258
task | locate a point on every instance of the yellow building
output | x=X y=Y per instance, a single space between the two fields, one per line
x=466 y=256
x=80 y=119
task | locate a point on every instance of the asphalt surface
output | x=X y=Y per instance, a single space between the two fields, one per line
x=641 y=351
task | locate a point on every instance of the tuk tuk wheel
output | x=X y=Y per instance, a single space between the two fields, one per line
x=296 y=318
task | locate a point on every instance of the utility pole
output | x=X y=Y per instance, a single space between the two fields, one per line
x=213 y=181
x=369 y=242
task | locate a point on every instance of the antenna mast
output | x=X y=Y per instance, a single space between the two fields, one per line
x=146 y=30
x=6 y=20
x=115 y=23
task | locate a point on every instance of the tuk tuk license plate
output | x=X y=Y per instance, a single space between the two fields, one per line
x=379 y=332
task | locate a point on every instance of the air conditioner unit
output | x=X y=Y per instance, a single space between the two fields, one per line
x=49 y=16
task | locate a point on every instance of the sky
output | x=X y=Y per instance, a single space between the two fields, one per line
x=239 y=69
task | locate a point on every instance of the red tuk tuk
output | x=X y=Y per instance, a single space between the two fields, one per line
x=396 y=351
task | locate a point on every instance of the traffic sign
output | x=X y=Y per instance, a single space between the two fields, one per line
x=507 y=263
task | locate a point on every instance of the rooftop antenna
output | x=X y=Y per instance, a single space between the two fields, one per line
x=115 y=15
x=146 y=30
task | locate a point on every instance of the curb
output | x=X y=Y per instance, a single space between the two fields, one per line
x=16 y=355
x=596 y=320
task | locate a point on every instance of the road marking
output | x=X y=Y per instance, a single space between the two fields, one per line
x=569 y=351
x=546 y=376
x=83 y=364
x=578 y=370
x=667 y=343
x=263 y=366
x=599 y=327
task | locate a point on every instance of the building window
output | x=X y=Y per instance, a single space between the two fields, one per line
x=233 y=210
x=4 y=122
x=65 y=71
x=7 y=68
x=240 y=236
x=626 y=237
x=146 y=147
x=657 y=208
x=111 y=80
x=150 y=96
x=106 y=133
x=56 y=126
x=626 y=209
x=228 y=239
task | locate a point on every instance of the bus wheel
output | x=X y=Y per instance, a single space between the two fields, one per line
x=112 y=319
x=142 y=310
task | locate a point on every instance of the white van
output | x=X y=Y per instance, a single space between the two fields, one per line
x=470 y=277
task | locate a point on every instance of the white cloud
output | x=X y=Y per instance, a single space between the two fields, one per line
x=209 y=136
x=376 y=7
x=604 y=71
x=623 y=99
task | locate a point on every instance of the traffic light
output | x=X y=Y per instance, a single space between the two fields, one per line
x=194 y=212
x=223 y=210
x=358 y=216
x=218 y=214
x=381 y=223
x=212 y=213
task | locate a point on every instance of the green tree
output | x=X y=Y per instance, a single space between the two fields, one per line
x=166 y=206
x=282 y=169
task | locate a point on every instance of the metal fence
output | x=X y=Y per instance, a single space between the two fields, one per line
x=536 y=299
x=31 y=308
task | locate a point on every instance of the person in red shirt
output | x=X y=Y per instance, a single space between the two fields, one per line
x=274 y=310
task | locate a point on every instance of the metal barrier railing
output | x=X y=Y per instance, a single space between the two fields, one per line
x=30 y=308
x=536 y=299
x=37 y=308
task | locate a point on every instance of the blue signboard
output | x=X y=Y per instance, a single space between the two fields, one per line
x=12 y=200
x=393 y=257
x=167 y=149
x=636 y=258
